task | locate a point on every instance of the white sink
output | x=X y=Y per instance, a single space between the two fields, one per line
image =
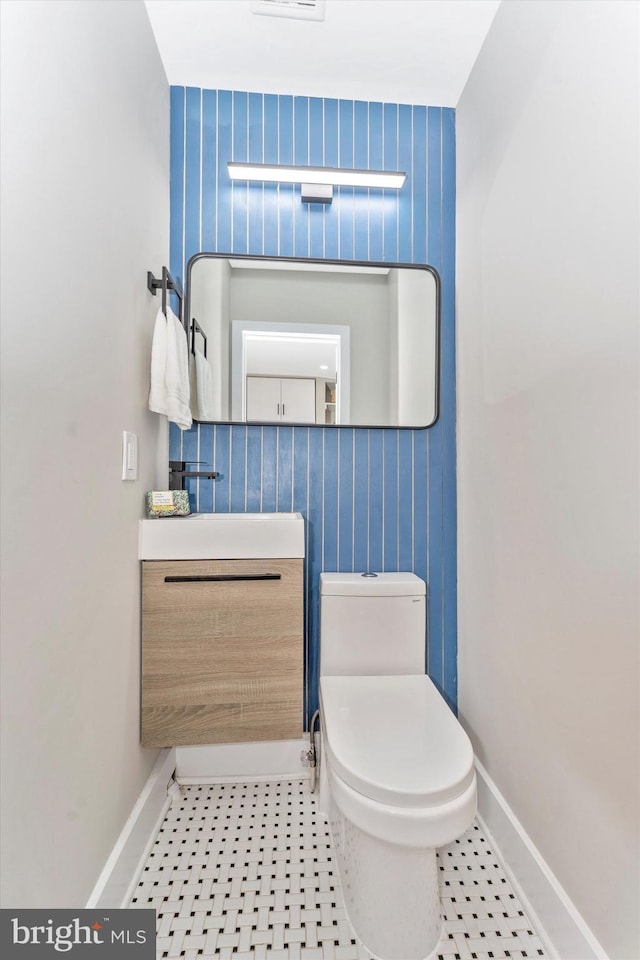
x=222 y=536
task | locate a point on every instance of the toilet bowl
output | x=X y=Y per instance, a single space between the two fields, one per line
x=397 y=779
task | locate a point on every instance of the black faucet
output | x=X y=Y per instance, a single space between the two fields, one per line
x=177 y=473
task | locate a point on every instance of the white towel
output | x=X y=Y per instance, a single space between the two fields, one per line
x=158 y=391
x=177 y=373
x=204 y=388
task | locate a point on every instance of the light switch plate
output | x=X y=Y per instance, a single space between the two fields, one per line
x=129 y=456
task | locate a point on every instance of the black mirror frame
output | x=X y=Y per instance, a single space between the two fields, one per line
x=385 y=264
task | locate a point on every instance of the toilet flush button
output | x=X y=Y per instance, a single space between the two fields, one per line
x=368 y=574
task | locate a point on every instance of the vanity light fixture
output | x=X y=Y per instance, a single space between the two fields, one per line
x=317 y=183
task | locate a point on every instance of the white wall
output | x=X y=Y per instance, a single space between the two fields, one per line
x=209 y=305
x=547 y=143
x=416 y=350
x=85 y=181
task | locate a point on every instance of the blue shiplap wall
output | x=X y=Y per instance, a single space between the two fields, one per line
x=372 y=499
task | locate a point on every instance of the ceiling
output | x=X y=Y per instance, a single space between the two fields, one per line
x=400 y=51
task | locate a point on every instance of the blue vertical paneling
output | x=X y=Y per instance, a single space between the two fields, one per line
x=405 y=499
x=176 y=202
x=285 y=239
x=239 y=189
x=206 y=457
x=405 y=162
x=300 y=156
x=330 y=506
x=221 y=463
x=419 y=187
x=269 y=192
x=434 y=187
x=330 y=213
x=238 y=469
x=361 y=501
x=193 y=186
x=376 y=503
x=390 y=499
x=379 y=499
x=270 y=129
x=316 y=131
x=254 y=469
x=269 y=469
x=434 y=529
x=256 y=190
x=345 y=500
x=224 y=187
x=284 y=497
x=390 y=162
x=360 y=197
x=209 y=169
x=316 y=159
x=421 y=456
x=300 y=470
x=346 y=194
x=315 y=211
x=374 y=205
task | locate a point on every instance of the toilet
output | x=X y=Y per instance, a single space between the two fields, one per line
x=397 y=779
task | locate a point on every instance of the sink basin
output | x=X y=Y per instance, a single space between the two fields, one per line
x=222 y=536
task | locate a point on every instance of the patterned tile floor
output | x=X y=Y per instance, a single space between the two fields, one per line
x=245 y=871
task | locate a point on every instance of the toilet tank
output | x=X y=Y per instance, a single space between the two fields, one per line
x=372 y=625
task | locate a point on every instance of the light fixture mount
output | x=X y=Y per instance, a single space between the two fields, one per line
x=316 y=192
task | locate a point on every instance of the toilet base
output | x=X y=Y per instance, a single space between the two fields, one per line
x=390 y=892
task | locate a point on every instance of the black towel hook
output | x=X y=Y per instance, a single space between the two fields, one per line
x=196 y=328
x=166 y=284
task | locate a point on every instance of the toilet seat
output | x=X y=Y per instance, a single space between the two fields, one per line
x=394 y=740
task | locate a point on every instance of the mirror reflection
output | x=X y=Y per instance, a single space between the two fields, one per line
x=313 y=342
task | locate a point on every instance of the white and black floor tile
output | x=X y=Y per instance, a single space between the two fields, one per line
x=245 y=871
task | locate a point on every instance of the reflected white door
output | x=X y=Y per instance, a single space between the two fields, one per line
x=289 y=400
x=298 y=401
x=263 y=398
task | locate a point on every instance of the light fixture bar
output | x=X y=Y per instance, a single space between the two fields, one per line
x=331 y=176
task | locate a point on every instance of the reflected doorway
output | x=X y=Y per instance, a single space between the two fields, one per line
x=290 y=373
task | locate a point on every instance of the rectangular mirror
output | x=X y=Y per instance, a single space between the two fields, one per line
x=313 y=341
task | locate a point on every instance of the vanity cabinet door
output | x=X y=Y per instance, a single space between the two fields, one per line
x=221 y=651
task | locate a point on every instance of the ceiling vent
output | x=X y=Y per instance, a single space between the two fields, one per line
x=293 y=9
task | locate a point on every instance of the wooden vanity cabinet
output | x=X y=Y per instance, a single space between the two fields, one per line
x=222 y=651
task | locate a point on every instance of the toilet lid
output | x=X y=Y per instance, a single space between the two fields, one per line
x=394 y=739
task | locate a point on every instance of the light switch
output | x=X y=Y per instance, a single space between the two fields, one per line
x=129 y=456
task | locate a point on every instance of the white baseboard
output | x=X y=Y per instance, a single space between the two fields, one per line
x=119 y=876
x=564 y=932
x=216 y=763
x=560 y=926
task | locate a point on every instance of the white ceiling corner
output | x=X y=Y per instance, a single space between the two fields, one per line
x=401 y=51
